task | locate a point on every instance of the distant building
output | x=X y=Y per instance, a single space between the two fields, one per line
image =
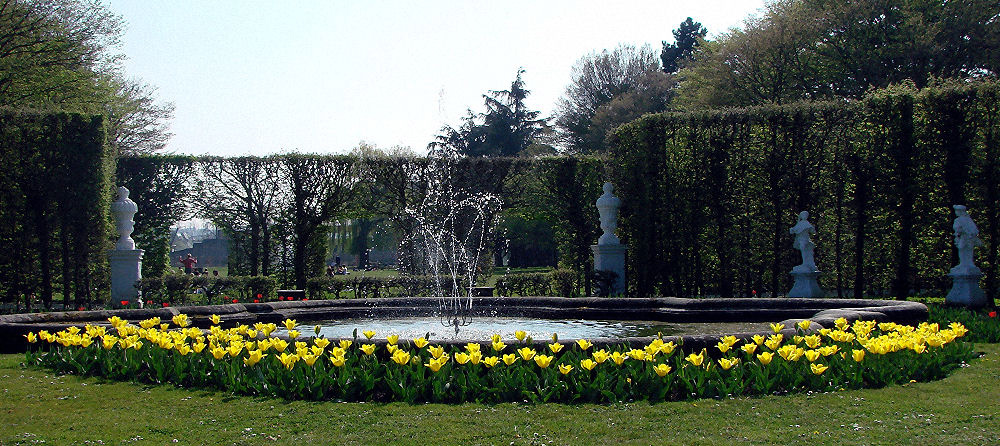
x=211 y=253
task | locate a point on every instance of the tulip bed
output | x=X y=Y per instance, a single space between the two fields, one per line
x=247 y=360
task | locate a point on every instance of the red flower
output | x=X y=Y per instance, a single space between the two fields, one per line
x=256 y=301
x=149 y=302
x=280 y=297
x=235 y=301
x=259 y=296
x=124 y=303
x=305 y=298
x=165 y=304
x=993 y=314
x=80 y=309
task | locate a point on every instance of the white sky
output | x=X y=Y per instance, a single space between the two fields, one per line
x=262 y=77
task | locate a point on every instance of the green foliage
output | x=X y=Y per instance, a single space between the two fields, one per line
x=53 y=206
x=878 y=177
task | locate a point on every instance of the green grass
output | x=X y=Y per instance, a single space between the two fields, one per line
x=38 y=406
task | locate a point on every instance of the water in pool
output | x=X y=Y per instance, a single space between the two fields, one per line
x=482 y=328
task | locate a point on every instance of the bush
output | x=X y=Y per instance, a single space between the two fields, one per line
x=563 y=282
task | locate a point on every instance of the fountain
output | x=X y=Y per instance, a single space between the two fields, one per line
x=453 y=226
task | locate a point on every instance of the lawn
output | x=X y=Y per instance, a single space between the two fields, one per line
x=39 y=407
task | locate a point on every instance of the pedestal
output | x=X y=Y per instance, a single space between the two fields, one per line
x=806 y=284
x=965 y=290
x=126 y=267
x=611 y=258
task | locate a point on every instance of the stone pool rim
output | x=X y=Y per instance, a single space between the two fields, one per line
x=822 y=312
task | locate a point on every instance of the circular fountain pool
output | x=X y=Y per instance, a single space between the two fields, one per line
x=483 y=328
x=610 y=320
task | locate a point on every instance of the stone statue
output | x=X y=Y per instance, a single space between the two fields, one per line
x=607 y=207
x=124 y=210
x=802 y=230
x=966 y=240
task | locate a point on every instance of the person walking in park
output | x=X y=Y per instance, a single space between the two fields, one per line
x=188 y=263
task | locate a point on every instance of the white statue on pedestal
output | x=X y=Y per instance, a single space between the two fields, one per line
x=965 y=276
x=966 y=241
x=609 y=253
x=607 y=207
x=124 y=210
x=802 y=230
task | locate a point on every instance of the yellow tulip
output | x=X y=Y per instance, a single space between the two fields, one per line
x=392 y=339
x=584 y=344
x=758 y=339
x=727 y=363
x=813 y=341
x=774 y=341
x=662 y=369
x=109 y=341
x=290 y=324
x=368 y=333
x=32 y=337
x=300 y=345
x=919 y=348
x=369 y=349
x=722 y=346
x=498 y=346
x=474 y=357
x=804 y=324
x=588 y=364
x=858 y=355
x=436 y=351
x=730 y=340
x=338 y=361
x=636 y=354
x=565 y=368
x=346 y=343
x=434 y=365
x=526 y=353
x=219 y=352
x=495 y=337
x=696 y=360
x=149 y=323
x=391 y=348
x=618 y=357
x=509 y=359
x=462 y=358
x=215 y=319
x=288 y=360
x=164 y=326
x=555 y=347
x=841 y=323
x=279 y=344
x=321 y=342
x=520 y=335
x=777 y=327
x=490 y=361
x=420 y=342
x=472 y=347
x=401 y=357
x=829 y=350
x=310 y=359
x=765 y=357
x=667 y=348
x=817 y=368
x=254 y=357
x=543 y=361
x=812 y=355
x=600 y=356
x=749 y=348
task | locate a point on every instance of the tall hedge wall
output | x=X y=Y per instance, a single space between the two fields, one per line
x=709 y=197
x=54 y=199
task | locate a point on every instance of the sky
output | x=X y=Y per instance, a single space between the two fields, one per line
x=262 y=77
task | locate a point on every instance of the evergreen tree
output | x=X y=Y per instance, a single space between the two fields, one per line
x=686 y=38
